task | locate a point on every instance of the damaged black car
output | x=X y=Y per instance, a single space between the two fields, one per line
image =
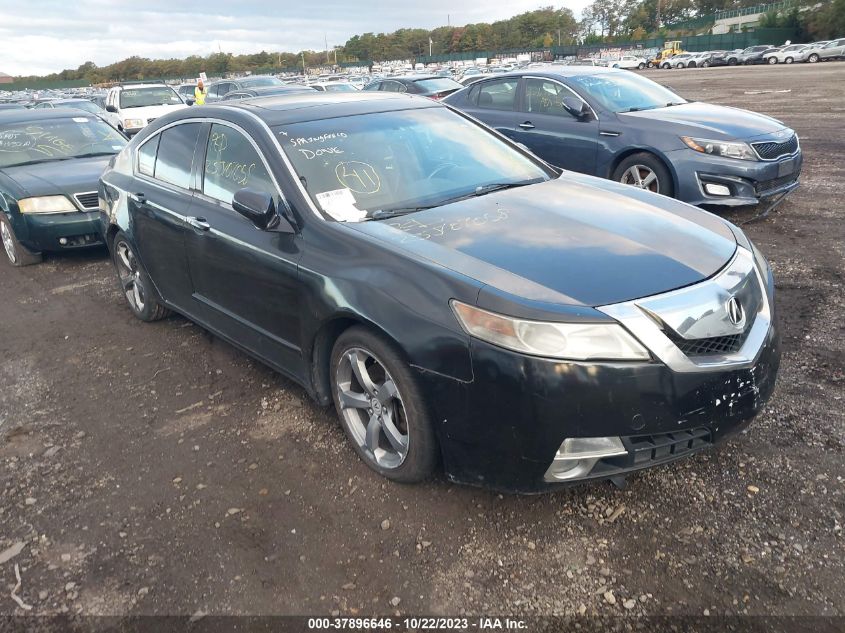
x=461 y=303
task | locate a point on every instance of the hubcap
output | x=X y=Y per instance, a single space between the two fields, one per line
x=8 y=243
x=372 y=408
x=642 y=177
x=130 y=276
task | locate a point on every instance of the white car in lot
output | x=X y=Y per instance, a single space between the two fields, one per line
x=788 y=54
x=833 y=49
x=678 y=61
x=629 y=62
x=130 y=107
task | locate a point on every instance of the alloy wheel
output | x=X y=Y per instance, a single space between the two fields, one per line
x=372 y=408
x=642 y=177
x=8 y=243
x=130 y=276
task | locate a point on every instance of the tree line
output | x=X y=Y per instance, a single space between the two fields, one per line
x=601 y=21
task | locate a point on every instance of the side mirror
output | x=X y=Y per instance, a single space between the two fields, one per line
x=259 y=208
x=575 y=107
x=111 y=108
x=190 y=102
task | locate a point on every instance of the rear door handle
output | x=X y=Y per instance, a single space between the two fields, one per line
x=528 y=125
x=198 y=223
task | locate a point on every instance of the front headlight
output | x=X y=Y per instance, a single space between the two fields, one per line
x=133 y=123
x=727 y=149
x=570 y=341
x=46 y=204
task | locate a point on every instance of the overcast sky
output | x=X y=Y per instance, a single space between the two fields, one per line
x=45 y=36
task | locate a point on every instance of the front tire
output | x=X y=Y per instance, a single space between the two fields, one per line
x=788 y=60
x=645 y=171
x=381 y=407
x=135 y=283
x=732 y=62
x=813 y=58
x=16 y=252
x=772 y=60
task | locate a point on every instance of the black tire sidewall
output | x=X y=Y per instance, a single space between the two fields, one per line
x=24 y=256
x=152 y=307
x=421 y=459
x=664 y=177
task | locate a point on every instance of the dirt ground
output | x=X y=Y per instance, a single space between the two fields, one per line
x=153 y=469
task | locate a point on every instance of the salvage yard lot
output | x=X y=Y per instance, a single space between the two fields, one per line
x=154 y=469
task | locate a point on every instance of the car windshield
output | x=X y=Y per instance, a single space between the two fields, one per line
x=625 y=92
x=389 y=163
x=340 y=88
x=88 y=106
x=56 y=139
x=438 y=84
x=260 y=82
x=143 y=97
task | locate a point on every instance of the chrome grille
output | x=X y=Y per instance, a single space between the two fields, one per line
x=88 y=200
x=713 y=345
x=770 y=150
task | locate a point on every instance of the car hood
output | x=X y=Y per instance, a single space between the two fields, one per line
x=711 y=121
x=58 y=177
x=576 y=240
x=150 y=112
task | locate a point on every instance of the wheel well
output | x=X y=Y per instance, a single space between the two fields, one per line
x=641 y=150
x=110 y=233
x=321 y=352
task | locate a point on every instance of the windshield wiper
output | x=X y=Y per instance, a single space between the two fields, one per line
x=674 y=103
x=90 y=154
x=41 y=160
x=481 y=190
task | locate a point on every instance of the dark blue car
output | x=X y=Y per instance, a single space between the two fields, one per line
x=619 y=125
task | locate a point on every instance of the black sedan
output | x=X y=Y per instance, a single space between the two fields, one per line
x=457 y=299
x=431 y=86
x=50 y=164
x=219 y=89
x=620 y=125
x=267 y=91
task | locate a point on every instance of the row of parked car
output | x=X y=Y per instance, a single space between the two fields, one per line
x=456 y=290
x=827 y=50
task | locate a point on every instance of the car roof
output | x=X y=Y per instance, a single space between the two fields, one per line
x=154 y=84
x=27 y=116
x=564 y=71
x=316 y=105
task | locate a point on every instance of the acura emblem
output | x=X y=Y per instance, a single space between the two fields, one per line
x=736 y=313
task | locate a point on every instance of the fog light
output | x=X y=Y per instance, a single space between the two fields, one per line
x=577 y=455
x=717 y=190
x=63 y=241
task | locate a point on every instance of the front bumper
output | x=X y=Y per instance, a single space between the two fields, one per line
x=46 y=232
x=749 y=182
x=502 y=430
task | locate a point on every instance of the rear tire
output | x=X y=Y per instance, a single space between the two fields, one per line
x=788 y=60
x=135 y=283
x=16 y=253
x=772 y=60
x=640 y=66
x=381 y=408
x=646 y=171
x=732 y=62
x=813 y=58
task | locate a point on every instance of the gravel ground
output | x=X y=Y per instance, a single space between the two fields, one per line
x=153 y=469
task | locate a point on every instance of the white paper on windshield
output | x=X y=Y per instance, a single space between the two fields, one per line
x=340 y=204
x=80 y=119
x=117 y=147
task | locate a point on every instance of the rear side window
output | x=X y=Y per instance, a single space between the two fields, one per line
x=498 y=95
x=233 y=163
x=176 y=154
x=147 y=156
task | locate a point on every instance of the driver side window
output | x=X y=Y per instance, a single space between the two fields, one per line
x=233 y=163
x=546 y=97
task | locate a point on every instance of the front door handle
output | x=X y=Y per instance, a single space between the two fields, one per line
x=198 y=223
x=140 y=198
x=528 y=125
